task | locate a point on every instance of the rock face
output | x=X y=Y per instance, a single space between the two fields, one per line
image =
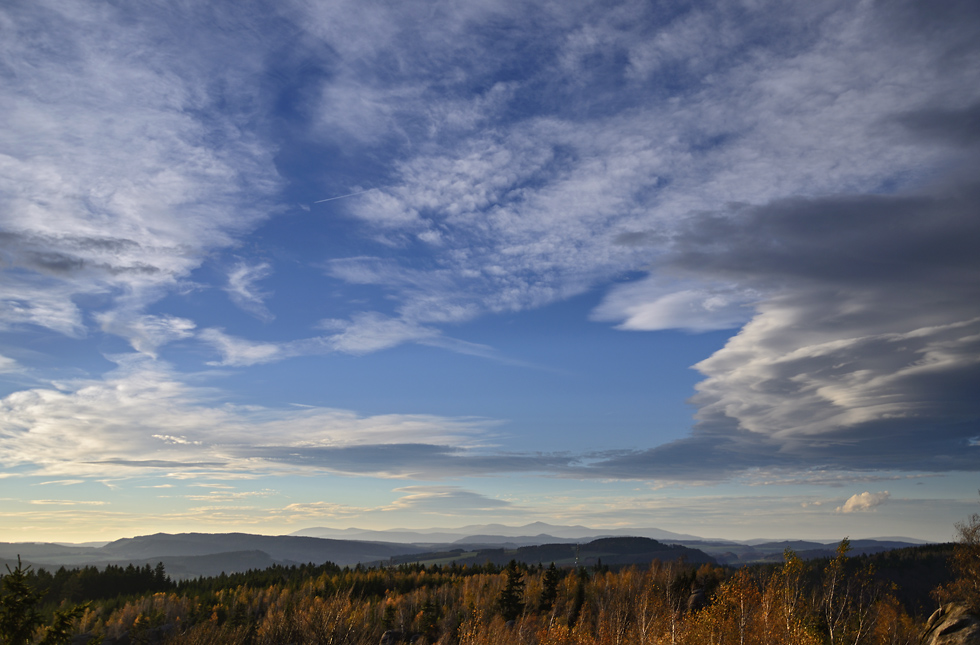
x=696 y=601
x=392 y=637
x=952 y=625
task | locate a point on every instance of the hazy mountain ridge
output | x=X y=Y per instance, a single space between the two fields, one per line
x=613 y=551
x=195 y=554
x=464 y=533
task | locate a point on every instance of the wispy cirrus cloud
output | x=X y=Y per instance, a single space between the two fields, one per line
x=556 y=198
x=528 y=213
x=771 y=198
x=146 y=333
x=141 y=419
x=306 y=511
x=113 y=184
x=239 y=352
x=67 y=502
x=370 y=332
x=243 y=292
x=363 y=333
x=803 y=175
x=8 y=364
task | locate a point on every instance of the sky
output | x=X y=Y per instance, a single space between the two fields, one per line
x=708 y=267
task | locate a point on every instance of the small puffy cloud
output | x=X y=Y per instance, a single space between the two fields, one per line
x=863 y=502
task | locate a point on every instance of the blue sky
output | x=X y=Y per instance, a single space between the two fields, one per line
x=706 y=267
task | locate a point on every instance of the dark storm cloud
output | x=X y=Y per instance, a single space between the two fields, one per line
x=951 y=26
x=411 y=459
x=957 y=126
x=718 y=451
x=855 y=240
x=865 y=352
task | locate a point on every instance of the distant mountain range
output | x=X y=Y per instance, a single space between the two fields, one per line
x=612 y=551
x=533 y=531
x=513 y=537
x=189 y=555
x=195 y=554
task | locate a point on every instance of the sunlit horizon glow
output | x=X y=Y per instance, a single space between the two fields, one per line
x=709 y=268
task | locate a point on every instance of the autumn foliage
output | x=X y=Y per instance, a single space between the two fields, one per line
x=796 y=603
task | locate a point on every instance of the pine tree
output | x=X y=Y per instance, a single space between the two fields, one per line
x=19 y=617
x=550 y=592
x=511 y=600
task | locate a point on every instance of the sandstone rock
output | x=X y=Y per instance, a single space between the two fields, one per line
x=952 y=625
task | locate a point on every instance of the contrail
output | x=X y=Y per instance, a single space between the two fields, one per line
x=330 y=199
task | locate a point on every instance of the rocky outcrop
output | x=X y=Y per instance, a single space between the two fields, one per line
x=392 y=637
x=696 y=601
x=952 y=624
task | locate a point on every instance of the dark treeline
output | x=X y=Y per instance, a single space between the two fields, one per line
x=911 y=573
x=859 y=601
x=90 y=583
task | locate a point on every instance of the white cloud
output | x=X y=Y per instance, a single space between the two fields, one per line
x=242 y=291
x=66 y=502
x=119 y=175
x=785 y=374
x=8 y=364
x=316 y=510
x=38 y=300
x=146 y=333
x=238 y=352
x=363 y=333
x=531 y=211
x=863 y=502
x=141 y=419
x=448 y=500
x=371 y=332
x=650 y=305
x=111 y=185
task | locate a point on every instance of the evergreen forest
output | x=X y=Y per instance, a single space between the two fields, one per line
x=883 y=599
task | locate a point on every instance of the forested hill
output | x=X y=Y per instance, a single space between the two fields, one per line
x=795 y=602
x=190 y=555
x=616 y=551
x=282 y=548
